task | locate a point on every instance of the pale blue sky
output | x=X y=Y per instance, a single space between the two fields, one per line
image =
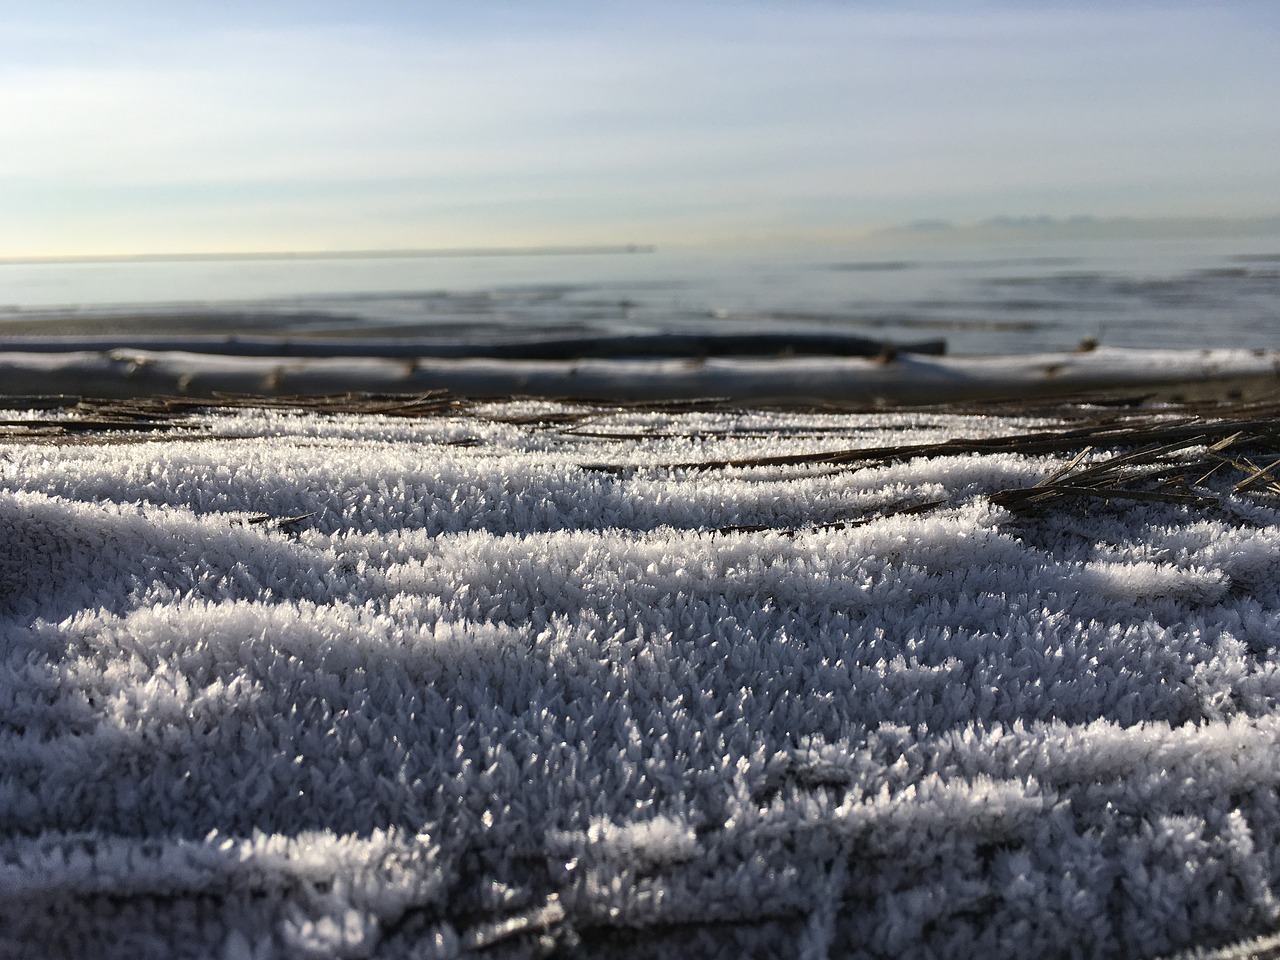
x=132 y=127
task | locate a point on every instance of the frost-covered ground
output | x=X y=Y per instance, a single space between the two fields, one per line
x=283 y=684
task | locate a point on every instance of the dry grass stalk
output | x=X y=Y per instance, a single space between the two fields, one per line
x=1160 y=454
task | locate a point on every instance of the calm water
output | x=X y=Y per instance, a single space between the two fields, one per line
x=981 y=299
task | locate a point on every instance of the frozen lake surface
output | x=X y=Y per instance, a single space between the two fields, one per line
x=982 y=298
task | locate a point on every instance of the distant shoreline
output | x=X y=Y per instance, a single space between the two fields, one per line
x=617 y=249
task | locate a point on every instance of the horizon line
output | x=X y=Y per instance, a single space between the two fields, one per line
x=367 y=254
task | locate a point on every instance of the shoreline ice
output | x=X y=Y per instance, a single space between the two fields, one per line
x=900 y=378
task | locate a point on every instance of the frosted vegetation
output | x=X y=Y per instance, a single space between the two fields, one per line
x=304 y=685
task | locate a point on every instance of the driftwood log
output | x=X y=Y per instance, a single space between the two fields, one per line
x=581 y=347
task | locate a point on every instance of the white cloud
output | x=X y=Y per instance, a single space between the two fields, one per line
x=898 y=114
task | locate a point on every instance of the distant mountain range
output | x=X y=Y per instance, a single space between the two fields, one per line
x=1083 y=227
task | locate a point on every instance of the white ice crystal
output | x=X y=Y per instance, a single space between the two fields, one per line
x=338 y=686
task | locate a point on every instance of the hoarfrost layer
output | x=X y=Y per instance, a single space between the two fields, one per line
x=306 y=686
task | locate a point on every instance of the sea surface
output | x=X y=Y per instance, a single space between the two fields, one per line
x=980 y=298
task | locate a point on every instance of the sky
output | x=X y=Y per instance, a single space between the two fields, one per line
x=172 y=127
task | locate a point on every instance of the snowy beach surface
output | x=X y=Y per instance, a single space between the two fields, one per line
x=206 y=370
x=523 y=678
